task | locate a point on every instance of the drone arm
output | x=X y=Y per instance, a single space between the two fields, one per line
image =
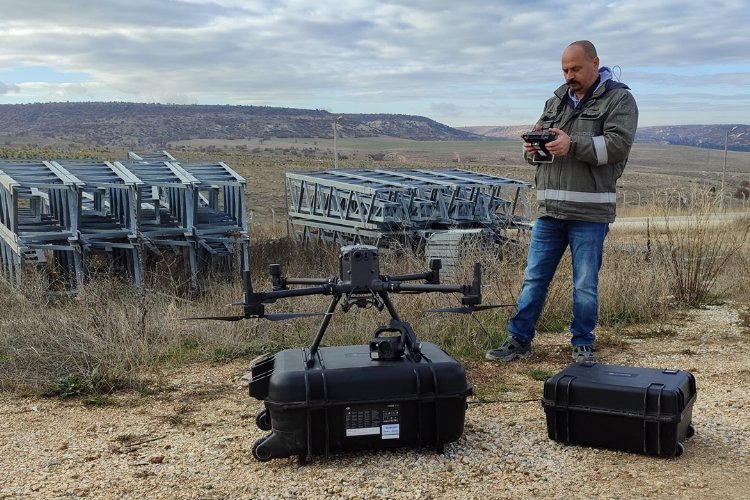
x=397 y=287
x=295 y=292
x=280 y=282
x=307 y=281
x=408 y=277
x=472 y=294
x=431 y=277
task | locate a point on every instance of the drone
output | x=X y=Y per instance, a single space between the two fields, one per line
x=318 y=400
x=360 y=284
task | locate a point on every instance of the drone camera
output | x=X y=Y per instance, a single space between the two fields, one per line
x=386 y=347
x=360 y=265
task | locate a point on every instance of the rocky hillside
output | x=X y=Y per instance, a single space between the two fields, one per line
x=737 y=137
x=702 y=136
x=135 y=124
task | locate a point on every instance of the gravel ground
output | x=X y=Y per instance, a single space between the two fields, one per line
x=194 y=441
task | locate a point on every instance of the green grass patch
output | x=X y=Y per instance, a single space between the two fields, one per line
x=653 y=333
x=553 y=324
x=539 y=374
x=71 y=386
x=227 y=354
x=186 y=350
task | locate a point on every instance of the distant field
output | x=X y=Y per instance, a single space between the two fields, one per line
x=653 y=170
x=663 y=159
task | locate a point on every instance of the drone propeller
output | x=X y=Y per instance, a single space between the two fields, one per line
x=217 y=318
x=270 y=317
x=468 y=309
x=252 y=302
x=284 y=316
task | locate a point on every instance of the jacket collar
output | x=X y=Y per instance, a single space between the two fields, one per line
x=562 y=90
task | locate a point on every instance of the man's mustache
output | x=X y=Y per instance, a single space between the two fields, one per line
x=573 y=82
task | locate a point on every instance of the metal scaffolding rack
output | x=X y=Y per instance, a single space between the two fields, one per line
x=39 y=218
x=220 y=223
x=381 y=206
x=73 y=210
x=219 y=219
x=157 y=156
x=107 y=213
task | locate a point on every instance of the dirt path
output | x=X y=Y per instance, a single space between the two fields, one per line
x=194 y=441
x=676 y=222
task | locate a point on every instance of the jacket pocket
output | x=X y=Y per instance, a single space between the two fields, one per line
x=590 y=123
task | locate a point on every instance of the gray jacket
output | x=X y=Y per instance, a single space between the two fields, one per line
x=582 y=184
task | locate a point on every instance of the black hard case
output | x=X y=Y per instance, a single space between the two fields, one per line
x=641 y=410
x=343 y=400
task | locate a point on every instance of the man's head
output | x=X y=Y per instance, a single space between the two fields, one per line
x=580 y=66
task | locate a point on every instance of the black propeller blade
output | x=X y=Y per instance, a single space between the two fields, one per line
x=218 y=318
x=468 y=309
x=284 y=316
x=270 y=317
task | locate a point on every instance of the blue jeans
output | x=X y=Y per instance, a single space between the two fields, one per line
x=549 y=239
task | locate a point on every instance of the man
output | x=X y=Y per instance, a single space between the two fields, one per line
x=594 y=118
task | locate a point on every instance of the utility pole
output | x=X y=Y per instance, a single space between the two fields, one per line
x=335 y=150
x=724 y=170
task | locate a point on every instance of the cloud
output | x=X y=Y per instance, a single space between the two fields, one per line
x=398 y=56
x=445 y=109
x=7 y=89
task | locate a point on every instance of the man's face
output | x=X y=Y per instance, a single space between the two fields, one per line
x=580 y=73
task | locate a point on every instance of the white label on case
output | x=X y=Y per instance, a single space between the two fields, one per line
x=389 y=431
x=362 y=431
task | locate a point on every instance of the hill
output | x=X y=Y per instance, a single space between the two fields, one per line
x=154 y=125
x=702 y=136
x=144 y=125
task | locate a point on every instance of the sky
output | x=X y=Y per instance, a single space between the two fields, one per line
x=460 y=62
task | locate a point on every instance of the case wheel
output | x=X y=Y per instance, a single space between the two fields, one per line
x=680 y=450
x=263 y=420
x=690 y=431
x=261 y=452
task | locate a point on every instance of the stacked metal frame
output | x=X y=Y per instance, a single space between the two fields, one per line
x=380 y=206
x=167 y=198
x=330 y=205
x=108 y=212
x=74 y=210
x=157 y=156
x=221 y=219
x=39 y=219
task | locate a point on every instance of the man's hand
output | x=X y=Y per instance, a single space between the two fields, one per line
x=560 y=146
x=528 y=147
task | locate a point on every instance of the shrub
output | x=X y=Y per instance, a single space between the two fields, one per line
x=695 y=251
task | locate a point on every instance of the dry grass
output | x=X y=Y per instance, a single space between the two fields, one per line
x=113 y=336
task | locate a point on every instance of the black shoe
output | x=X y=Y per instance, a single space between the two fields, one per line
x=509 y=350
x=583 y=353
